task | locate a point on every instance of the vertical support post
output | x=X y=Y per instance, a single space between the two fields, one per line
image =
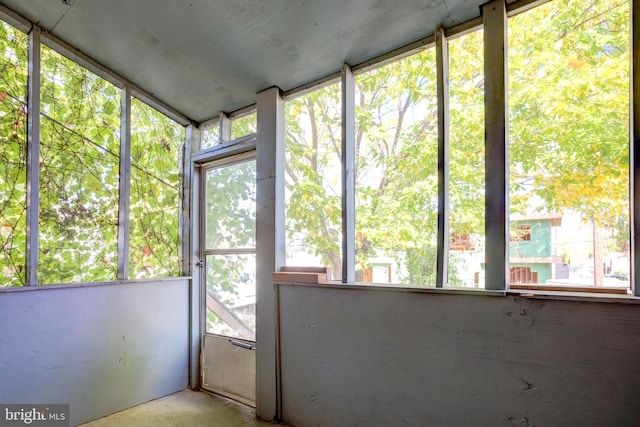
x=33 y=156
x=189 y=234
x=348 y=176
x=186 y=167
x=496 y=145
x=270 y=245
x=196 y=139
x=442 y=64
x=125 y=183
x=197 y=320
x=634 y=149
x=225 y=128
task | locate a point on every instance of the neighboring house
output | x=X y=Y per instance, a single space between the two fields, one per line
x=531 y=250
x=531 y=255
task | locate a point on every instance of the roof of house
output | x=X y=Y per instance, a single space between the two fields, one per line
x=555 y=218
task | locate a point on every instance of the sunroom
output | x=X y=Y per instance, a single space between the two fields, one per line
x=335 y=213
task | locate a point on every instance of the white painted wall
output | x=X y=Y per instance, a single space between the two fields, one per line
x=99 y=348
x=362 y=357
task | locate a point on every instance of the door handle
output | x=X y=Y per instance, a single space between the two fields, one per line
x=243 y=344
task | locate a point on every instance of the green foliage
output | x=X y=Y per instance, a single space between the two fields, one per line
x=230 y=219
x=568 y=106
x=396 y=158
x=244 y=125
x=466 y=139
x=240 y=127
x=313 y=152
x=420 y=266
x=79 y=158
x=156 y=144
x=79 y=174
x=569 y=152
x=13 y=99
x=226 y=273
x=231 y=206
x=210 y=137
x=396 y=164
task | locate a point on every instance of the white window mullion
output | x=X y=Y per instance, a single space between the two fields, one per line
x=634 y=152
x=496 y=146
x=348 y=176
x=442 y=61
x=125 y=183
x=33 y=156
x=224 y=133
x=192 y=137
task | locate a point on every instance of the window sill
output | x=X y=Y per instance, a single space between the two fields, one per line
x=575 y=296
x=90 y=284
x=618 y=290
x=394 y=287
x=533 y=294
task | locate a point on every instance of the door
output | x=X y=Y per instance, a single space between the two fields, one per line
x=228 y=258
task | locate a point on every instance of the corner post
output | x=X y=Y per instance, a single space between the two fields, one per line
x=270 y=245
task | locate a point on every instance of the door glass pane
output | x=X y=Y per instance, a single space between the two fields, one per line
x=231 y=295
x=231 y=206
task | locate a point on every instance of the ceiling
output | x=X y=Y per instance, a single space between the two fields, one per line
x=201 y=57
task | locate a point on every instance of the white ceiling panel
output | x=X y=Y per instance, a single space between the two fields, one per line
x=205 y=56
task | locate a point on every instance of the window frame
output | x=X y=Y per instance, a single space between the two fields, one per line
x=38 y=38
x=493 y=19
x=494 y=22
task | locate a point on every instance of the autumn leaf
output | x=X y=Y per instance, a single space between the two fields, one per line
x=575 y=63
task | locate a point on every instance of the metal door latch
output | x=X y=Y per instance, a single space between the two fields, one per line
x=243 y=344
x=199 y=263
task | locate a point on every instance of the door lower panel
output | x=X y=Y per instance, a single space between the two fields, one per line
x=220 y=356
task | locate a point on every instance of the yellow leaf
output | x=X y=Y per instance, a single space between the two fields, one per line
x=575 y=63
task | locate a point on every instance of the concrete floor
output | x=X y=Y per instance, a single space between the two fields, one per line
x=184 y=409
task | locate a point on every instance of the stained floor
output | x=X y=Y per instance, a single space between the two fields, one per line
x=184 y=409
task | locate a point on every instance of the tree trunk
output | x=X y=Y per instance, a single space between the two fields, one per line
x=335 y=263
x=598 y=270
